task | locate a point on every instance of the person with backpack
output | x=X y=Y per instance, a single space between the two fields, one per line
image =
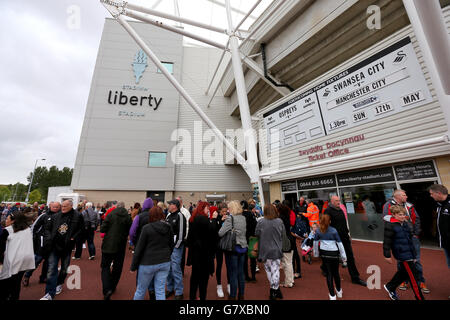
x=328 y=245
x=38 y=229
x=91 y=222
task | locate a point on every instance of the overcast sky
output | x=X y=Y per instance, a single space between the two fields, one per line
x=47 y=57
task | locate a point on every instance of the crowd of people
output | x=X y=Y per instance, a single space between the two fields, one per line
x=163 y=239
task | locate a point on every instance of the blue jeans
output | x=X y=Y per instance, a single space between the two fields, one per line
x=152 y=273
x=175 y=277
x=53 y=278
x=235 y=268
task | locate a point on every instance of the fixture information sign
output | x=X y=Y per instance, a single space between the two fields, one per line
x=386 y=83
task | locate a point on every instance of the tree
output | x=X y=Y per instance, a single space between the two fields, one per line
x=35 y=196
x=18 y=191
x=53 y=177
x=5 y=193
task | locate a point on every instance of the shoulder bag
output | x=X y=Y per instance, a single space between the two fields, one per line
x=228 y=241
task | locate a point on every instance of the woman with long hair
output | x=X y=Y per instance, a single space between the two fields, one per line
x=222 y=215
x=270 y=231
x=16 y=250
x=152 y=255
x=136 y=210
x=234 y=260
x=328 y=246
x=201 y=242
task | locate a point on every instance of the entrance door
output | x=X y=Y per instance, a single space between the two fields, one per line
x=292 y=197
x=426 y=207
x=156 y=195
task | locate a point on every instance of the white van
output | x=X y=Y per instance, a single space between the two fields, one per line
x=75 y=197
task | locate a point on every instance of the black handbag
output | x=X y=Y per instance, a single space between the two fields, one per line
x=228 y=241
x=286 y=243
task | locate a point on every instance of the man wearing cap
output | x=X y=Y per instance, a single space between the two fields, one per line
x=178 y=223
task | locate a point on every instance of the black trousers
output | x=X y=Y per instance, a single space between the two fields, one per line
x=79 y=245
x=219 y=263
x=331 y=266
x=296 y=261
x=199 y=280
x=111 y=276
x=10 y=288
x=351 y=266
x=406 y=271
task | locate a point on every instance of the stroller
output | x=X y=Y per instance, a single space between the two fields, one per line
x=307 y=248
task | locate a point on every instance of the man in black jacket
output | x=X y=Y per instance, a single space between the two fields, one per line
x=38 y=228
x=59 y=240
x=115 y=227
x=339 y=222
x=440 y=194
x=178 y=223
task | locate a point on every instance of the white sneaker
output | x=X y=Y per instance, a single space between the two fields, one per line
x=47 y=297
x=257 y=269
x=219 y=291
x=58 y=289
x=228 y=289
x=339 y=293
x=332 y=297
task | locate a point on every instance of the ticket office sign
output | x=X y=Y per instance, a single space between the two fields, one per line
x=386 y=83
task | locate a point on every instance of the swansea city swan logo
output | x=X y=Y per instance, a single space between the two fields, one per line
x=139 y=64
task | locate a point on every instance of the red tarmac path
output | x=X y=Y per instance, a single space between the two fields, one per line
x=312 y=285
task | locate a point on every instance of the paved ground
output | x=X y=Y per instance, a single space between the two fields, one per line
x=311 y=286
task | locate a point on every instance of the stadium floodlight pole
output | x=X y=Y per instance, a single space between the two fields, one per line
x=145 y=18
x=244 y=108
x=427 y=22
x=143 y=9
x=119 y=17
x=32 y=177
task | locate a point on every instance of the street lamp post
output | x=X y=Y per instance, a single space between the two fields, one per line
x=32 y=177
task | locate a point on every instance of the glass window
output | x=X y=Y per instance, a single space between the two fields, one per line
x=168 y=66
x=157 y=159
x=320 y=197
x=364 y=206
